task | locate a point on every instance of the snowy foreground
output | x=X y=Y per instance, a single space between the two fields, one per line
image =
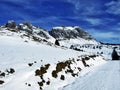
x=105 y=77
x=27 y=64
x=34 y=66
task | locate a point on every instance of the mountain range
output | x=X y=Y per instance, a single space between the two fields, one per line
x=69 y=34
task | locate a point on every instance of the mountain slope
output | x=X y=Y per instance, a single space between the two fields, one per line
x=67 y=36
x=29 y=29
x=28 y=64
x=30 y=60
x=106 y=77
x=69 y=33
x=72 y=35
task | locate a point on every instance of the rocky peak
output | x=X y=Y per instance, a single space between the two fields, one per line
x=69 y=33
x=26 y=26
x=11 y=24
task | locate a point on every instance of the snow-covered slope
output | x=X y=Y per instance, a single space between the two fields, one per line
x=29 y=29
x=67 y=36
x=29 y=59
x=104 y=50
x=29 y=65
x=80 y=41
x=69 y=32
x=106 y=77
x=72 y=35
x=35 y=30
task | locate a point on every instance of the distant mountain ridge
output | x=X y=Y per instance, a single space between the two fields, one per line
x=28 y=27
x=66 y=35
x=69 y=33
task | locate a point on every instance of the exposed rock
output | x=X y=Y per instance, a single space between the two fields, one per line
x=1 y=82
x=11 y=24
x=69 y=33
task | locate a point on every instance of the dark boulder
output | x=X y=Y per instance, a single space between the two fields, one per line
x=57 y=43
x=115 y=56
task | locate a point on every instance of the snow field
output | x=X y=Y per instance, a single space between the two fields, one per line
x=17 y=54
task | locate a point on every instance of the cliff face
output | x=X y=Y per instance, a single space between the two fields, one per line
x=69 y=33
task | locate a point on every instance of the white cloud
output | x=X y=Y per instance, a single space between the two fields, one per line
x=103 y=35
x=85 y=8
x=113 y=7
x=118 y=23
x=117 y=29
x=108 y=37
x=75 y=2
x=94 y=21
x=110 y=3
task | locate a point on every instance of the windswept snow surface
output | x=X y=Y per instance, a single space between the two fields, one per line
x=68 y=43
x=17 y=54
x=105 y=77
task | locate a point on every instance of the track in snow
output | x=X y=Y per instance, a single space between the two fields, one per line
x=106 y=77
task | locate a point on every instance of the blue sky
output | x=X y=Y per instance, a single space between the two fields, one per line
x=101 y=18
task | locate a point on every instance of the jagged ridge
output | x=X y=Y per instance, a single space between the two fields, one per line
x=69 y=33
x=75 y=33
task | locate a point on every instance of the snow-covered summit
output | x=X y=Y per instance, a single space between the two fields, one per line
x=65 y=28
x=29 y=29
x=69 y=33
x=11 y=24
x=27 y=26
x=72 y=35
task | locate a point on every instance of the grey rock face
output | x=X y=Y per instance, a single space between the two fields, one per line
x=69 y=33
x=44 y=34
x=11 y=24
